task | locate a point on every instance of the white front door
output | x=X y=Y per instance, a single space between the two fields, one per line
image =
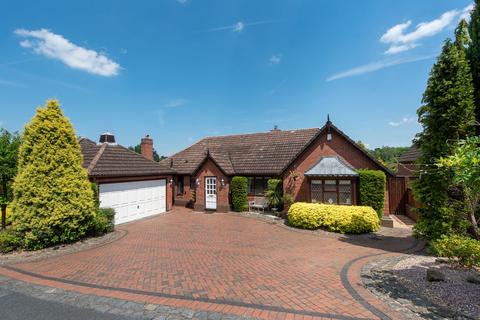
x=134 y=200
x=211 y=193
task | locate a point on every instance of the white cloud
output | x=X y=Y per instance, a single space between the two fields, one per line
x=375 y=66
x=400 y=40
x=404 y=120
x=239 y=26
x=49 y=44
x=275 y=59
x=175 y=103
x=467 y=11
x=11 y=83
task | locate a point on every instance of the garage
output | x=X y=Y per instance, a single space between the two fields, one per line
x=131 y=183
x=134 y=200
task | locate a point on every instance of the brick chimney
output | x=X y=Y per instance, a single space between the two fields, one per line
x=146 y=147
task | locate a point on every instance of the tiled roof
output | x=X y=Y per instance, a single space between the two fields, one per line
x=411 y=155
x=331 y=166
x=265 y=153
x=257 y=153
x=107 y=160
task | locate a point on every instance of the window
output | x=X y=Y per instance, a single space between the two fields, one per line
x=180 y=188
x=193 y=182
x=257 y=185
x=331 y=191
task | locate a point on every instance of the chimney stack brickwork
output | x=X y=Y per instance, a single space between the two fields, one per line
x=146 y=147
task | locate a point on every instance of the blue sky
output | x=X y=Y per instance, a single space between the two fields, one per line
x=180 y=70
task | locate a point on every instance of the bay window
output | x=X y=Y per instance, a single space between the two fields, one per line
x=331 y=191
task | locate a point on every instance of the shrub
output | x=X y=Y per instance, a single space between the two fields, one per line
x=53 y=200
x=8 y=241
x=336 y=218
x=372 y=189
x=274 y=193
x=103 y=222
x=458 y=249
x=239 y=187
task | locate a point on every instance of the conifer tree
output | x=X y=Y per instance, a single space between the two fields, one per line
x=447 y=115
x=474 y=57
x=53 y=200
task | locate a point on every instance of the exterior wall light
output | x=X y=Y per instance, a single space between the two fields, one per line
x=198 y=182
x=222 y=182
x=171 y=181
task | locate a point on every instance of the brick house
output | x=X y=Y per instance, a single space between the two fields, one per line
x=407 y=162
x=316 y=165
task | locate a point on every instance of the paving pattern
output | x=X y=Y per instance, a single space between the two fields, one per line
x=226 y=263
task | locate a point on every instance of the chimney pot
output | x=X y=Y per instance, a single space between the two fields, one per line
x=146 y=147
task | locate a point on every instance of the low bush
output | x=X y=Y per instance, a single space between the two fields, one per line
x=239 y=187
x=460 y=250
x=8 y=241
x=372 y=189
x=336 y=218
x=103 y=222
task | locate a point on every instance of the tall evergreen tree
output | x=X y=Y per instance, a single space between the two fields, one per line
x=474 y=56
x=447 y=115
x=53 y=199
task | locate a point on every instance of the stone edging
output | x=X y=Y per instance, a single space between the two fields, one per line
x=61 y=250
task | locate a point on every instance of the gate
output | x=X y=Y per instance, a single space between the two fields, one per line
x=397 y=195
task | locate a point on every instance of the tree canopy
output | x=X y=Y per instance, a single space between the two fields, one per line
x=474 y=56
x=9 y=144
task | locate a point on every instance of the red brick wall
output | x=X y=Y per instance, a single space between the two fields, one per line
x=338 y=146
x=183 y=199
x=210 y=169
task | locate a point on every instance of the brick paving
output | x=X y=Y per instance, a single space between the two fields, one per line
x=228 y=264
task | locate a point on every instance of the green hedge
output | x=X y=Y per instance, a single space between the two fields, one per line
x=372 y=189
x=103 y=222
x=336 y=218
x=239 y=187
x=458 y=249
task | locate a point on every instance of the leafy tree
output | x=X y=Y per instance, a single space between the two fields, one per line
x=465 y=164
x=388 y=155
x=156 y=156
x=9 y=144
x=447 y=115
x=53 y=199
x=474 y=56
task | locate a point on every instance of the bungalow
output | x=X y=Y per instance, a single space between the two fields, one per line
x=316 y=165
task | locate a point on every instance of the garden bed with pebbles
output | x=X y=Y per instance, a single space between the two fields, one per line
x=87 y=243
x=401 y=282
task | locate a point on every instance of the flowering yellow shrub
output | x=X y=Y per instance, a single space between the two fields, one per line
x=336 y=218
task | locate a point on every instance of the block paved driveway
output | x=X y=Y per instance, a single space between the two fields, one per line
x=226 y=263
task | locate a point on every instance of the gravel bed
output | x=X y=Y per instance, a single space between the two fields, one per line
x=401 y=282
x=30 y=256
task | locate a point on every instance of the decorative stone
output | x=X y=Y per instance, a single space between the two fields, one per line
x=475 y=278
x=435 y=275
x=441 y=260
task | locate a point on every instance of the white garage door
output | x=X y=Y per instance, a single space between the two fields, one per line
x=134 y=200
